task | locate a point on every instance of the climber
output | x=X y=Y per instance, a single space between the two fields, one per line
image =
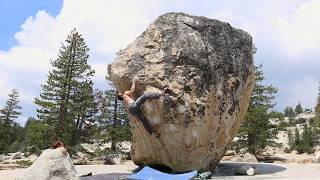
x=134 y=106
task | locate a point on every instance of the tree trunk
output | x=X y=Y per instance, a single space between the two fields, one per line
x=75 y=133
x=114 y=124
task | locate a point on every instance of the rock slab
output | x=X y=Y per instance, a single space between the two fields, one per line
x=52 y=164
x=208 y=66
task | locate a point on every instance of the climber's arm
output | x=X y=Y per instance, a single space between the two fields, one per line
x=133 y=87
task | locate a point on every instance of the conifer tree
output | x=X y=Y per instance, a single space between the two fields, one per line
x=69 y=79
x=296 y=138
x=10 y=131
x=11 y=110
x=317 y=108
x=256 y=132
x=298 y=109
x=288 y=111
x=291 y=140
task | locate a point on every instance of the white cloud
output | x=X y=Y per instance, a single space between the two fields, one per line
x=5 y=87
x=299 y=33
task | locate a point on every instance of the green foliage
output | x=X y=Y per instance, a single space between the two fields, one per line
x=11 y=109
x=302 y=143
x=315 y=129
x=288 y=112
x=11 y=134
x=317 y=108
x=256 y=132
x=113 y=120
x=66 y=105
x=38 y=136
x=298 y=109
x=291 y=140
x=24 y=163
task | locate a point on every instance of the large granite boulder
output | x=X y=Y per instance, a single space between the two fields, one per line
x=52 y=164
x=208 y=65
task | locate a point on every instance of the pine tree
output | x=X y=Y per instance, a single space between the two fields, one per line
x=291 y=140
x=298 y=109
x=317 y=108
x=288 y=111
x=9 y=129
x=306 y=143
x=11 y=111
x=297 y=140
x=86 y=106
x=67 y=83
x=256 y=132
x=113 y=119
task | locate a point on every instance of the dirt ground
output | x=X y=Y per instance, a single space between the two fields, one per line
x=225 y=170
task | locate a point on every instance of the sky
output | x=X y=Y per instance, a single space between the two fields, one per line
x=285 y=32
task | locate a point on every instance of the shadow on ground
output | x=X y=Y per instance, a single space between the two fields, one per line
x=228 y=168
x=224 y=169
x=110 y=176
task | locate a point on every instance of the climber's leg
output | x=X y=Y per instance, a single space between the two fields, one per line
x=139 y=102
x=135 y=109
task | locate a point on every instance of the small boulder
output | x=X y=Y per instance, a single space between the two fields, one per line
x=317 y=157
x=249 y=158
x=205 y=175
x=52 y=164
x=230 y=153
x=17 y=155
x=113 y=159
x=294 y=152
x=245 y=170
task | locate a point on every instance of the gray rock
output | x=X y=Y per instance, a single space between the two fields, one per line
x=52 y=164
x=3 y=158
x=208 y=66
x=205 y=175
x=113 y=159
x=17 y=155
x=249 y=158
x=245 y=170
x=317 y=157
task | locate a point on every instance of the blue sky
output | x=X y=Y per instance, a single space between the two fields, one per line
x=285 y=33
x=13 y=13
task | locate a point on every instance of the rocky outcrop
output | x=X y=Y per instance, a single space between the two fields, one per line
x=53 y=164
x=208 y=65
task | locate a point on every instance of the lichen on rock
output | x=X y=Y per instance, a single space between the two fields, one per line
x=208 y=66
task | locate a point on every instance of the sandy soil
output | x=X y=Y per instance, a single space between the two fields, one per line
x=223 y=171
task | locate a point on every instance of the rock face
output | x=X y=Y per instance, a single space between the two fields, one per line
x=208 y=65
x=52 y=164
